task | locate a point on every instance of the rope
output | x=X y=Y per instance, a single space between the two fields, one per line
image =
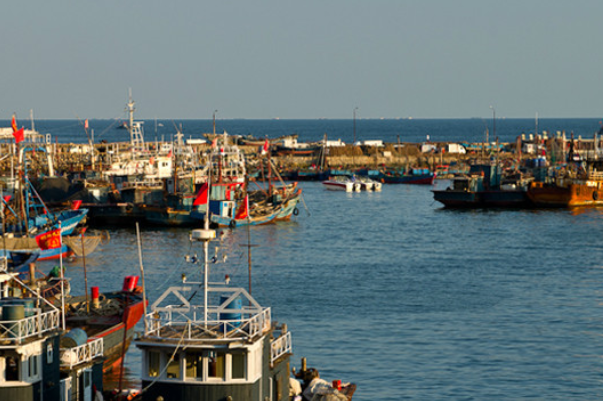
x=305 y=206
x=166 y=282
x=167 y=364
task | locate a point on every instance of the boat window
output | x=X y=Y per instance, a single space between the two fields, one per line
x=32 y=363
x=173 y=368
x=12 y=368
x=35 y=365
x=194 y=365
x=153 y=363
x=238 y=366
x=215 y=365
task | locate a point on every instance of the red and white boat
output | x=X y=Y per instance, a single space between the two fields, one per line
x=342 y=183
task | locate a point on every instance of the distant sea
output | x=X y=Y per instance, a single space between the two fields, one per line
x=388 y=130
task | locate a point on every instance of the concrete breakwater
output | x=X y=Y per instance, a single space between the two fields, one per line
x=67 y=157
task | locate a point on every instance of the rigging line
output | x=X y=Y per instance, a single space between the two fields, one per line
x=109 y=127
x=305 y=206
x=168 y=362
x=165 y=283
x=66 y=126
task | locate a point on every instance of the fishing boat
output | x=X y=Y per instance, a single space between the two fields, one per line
x=51 y=245
x=29 y=214
x=342 y=183
x=110 y=315
x=571 y=190
x=368 y=184
x=207 y=340
x=230 y=200
x=250 y=140
x=417 y=176
x=297 y=149
x=40 y=359
x=486 y=186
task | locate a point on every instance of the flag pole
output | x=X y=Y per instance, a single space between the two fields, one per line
x=62 y=277
x=206 y=246
x=144 y=297
x=85 y=275
x=248 y=240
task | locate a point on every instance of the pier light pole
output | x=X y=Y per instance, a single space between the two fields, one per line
x=355 y=109
x=215 y=111
x=354 y=143
x=493 y=121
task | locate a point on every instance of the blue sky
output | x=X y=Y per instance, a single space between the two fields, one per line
x=303 y=59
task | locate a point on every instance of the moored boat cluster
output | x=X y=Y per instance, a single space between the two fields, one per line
x=218 y=343
x=221 y=345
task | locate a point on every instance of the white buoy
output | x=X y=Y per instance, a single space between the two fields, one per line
x=203 y=235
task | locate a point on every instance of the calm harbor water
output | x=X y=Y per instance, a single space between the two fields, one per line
x=406 y=299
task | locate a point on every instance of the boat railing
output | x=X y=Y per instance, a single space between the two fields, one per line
x=237 y=315
x=596 y=175
x=193 y=326
x=281 y=346
x=71 y=357
x=35 y=325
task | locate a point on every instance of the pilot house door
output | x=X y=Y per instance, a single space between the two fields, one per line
x=66 y=389
x=87 y=385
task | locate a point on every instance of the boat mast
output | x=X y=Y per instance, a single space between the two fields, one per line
x=207 y=238
x=33 y=128
x=3 y=222
x=130 y=109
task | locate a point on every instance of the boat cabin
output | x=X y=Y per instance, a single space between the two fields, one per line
x=34 y=364
x=231 y=350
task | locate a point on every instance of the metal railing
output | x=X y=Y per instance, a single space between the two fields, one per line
x=19 y=330
x=162 y=325
x=71 y=357
x=280 y=347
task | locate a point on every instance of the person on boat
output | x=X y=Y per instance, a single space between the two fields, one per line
x=570 y=153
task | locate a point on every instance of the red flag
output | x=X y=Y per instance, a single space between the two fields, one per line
x=14 y=123
x=201 y=198
x=49 y=239
x=266 y=146
x=86 y=124
x=7 y=198
x=19 y=135
x=243 y=212
x=75 y=205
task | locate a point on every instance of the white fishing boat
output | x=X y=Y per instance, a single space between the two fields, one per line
x=342 y=183
x=368 y=184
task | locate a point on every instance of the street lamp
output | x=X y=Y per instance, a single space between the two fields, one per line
x=354 y=143
x=493 y=122
x=355 y=108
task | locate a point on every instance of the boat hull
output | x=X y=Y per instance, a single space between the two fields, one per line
x=419 y=179
x=116 y=330
x=506 y=199
x=458 y=199
x=482 y=199
x=571 y=195
x=43 y=254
